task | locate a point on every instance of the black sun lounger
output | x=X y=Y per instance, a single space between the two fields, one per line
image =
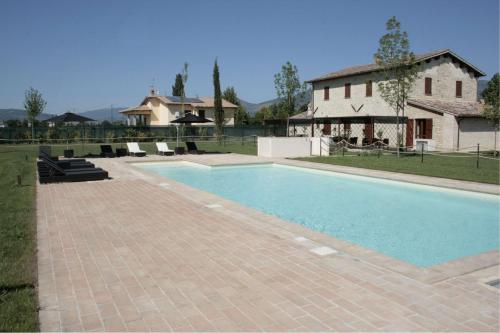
x=68 y=163
x=107 y=151
x=46 y=151
x=193 y=149
x=52 y=173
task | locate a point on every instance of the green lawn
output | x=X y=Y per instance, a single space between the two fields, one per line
x=247 y=148
x=449 y=166
x=18 y=300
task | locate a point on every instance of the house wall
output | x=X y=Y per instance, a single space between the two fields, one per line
x=477 y=130
x=437 y=126
x=444 y=74
x=228 y=115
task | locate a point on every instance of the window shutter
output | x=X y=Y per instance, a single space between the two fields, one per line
x=326 y=93
x=428 y=86
x=369 y=89
x=347 y=90
x=458 y=89
x=428 y=129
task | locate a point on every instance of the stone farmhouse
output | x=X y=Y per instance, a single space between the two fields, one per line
x=443 y=113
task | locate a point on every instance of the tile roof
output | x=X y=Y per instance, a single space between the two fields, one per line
x=362 y=69
x=206 y=101
x=457 y=109
x=142 y=108
x=302 y=115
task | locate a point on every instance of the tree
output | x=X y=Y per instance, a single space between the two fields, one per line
x=184 y=77
x=178 y=87
x=218 y=111
x=240 y=114
x=399 y=69
x=263 y=114
x=288 y=87
x=34 y=105
x=491 y=109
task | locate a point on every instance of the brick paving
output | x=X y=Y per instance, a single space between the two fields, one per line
x=129 y=254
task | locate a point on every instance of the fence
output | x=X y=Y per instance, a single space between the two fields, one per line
x=380 y=148
x=104 y=133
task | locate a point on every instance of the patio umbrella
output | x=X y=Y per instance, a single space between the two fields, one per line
x=70 y=117
x=189 y=119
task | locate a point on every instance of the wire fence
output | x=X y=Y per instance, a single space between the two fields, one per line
x=380 y=149
x=91 y=146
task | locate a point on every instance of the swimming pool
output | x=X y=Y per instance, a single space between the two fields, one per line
x=421 y=225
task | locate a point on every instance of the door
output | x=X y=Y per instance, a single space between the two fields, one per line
x=369 y=128
x=409 y=132
x=327 y=129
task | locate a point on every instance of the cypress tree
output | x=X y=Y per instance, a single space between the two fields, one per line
x=218 y=111
x=178 y=87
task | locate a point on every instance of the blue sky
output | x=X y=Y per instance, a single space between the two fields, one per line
x=90 y=54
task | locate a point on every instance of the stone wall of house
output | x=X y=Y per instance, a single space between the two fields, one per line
x=444 y=74
x=437 y=124
x=477 y=130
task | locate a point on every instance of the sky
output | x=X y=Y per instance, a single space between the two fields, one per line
x=84 y=55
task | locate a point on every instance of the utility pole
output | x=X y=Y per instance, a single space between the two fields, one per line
x=111 y=113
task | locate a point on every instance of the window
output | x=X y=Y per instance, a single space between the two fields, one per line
x=458 y=89
x=428 y=86
x=201 y=113
x=424 y=128
x=347 y=90
x=326 y=93
x=369 y=88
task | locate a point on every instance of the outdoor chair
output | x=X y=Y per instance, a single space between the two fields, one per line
x=50 y=172
x=134 y=149
x=46 y=151
x=107 y=151
x=65 y=162
x=192 y=148
x=162 y=149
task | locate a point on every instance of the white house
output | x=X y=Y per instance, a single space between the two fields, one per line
x=156 y=110
x=443 y=112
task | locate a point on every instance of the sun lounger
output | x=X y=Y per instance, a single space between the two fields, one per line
x=52 y=173
x=193 y=149
x=134 y=149
x=46 y=151
x=107 y=151
x=162 y=149
x=66 y=162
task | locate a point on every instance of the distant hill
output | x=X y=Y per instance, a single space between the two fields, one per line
x=252 y=108
x=98 y=114
x=109 y=114
x=20 y=114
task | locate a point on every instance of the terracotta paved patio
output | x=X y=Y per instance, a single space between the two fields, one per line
x=143 y=253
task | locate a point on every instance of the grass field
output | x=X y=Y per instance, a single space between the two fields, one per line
x=453 y=166
x=18 y=301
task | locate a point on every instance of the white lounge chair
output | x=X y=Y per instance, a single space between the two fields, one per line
x=134 y=150
x=162 y=149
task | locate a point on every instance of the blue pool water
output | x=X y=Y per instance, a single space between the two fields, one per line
x=421 y=225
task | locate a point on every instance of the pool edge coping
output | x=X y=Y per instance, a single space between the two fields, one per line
x=432 y=274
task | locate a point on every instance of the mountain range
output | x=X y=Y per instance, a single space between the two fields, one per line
x=113 y=114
